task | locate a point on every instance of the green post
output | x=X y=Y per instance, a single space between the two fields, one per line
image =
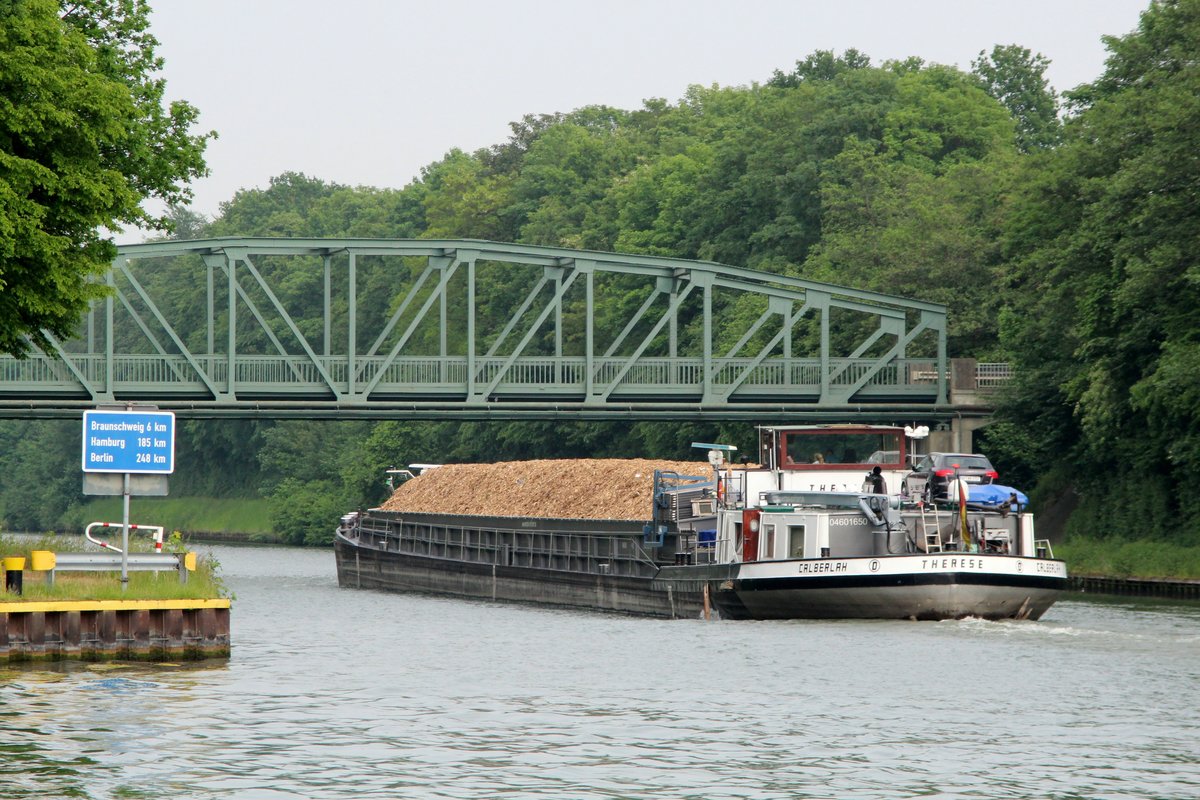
x=109 y=355
x=470 y=328
x=352 y=323
x=328 y=311
x=708 y=340
x=589 y=332
x=231 y=352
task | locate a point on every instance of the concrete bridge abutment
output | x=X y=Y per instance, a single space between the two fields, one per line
x=971 y=393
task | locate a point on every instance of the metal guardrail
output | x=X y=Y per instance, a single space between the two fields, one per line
x=53 y=563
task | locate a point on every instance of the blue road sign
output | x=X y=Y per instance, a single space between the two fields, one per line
x=129 y=441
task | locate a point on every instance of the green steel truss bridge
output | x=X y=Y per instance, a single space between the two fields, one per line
x=357 y=328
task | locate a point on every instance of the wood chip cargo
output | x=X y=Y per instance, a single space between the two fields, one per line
x=613 y=489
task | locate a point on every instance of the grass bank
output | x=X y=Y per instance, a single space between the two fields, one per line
x=1142 y=558
x=233 y=518
x=203 y=583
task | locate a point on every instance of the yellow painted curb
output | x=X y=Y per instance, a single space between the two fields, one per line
x=113 y=605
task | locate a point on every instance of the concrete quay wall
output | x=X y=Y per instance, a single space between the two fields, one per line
x=1136 y=587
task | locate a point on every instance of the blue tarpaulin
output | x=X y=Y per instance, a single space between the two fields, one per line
x=993 y=494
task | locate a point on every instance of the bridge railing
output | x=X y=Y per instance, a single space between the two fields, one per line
x=299 y=376
x=992 y=375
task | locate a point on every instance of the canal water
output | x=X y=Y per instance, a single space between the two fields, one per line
x=335 y=693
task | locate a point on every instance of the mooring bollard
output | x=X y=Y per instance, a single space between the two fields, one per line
x=14 y=574
x=43 y=561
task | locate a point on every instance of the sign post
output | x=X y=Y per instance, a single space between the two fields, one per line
x=132 y=441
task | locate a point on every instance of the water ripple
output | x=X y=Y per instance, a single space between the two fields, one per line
x=343 y=694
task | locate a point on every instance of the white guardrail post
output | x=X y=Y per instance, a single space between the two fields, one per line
x=156 y=532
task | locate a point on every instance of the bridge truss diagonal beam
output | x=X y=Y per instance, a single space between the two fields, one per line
x=199 y=326
x=672 y=309
x=561 y=289
x=437 y=295
x=123 y=268
x=287 y=319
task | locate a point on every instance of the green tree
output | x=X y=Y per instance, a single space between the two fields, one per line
x=896 y=178
x=567 y=171
x=39 y=465
x=822 y=65
x=1104 y=247
x=1017 y=78
x=306 y=512
x=284 y=208
x=462 y=200
x=84 y=140
x=914 y=205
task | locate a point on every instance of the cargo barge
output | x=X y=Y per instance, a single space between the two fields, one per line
x=794 y=538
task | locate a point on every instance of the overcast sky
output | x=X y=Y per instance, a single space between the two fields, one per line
x=366 y=92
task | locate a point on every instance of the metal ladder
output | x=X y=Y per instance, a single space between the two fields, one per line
x=933 y=541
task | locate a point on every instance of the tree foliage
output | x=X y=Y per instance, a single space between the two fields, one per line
x=1106 y=334
x=1065 y=248
x=84 y=140
x=1017 y=78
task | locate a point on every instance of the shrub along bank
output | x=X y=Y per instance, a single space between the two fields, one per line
x=1140 y=558
x=245 y=519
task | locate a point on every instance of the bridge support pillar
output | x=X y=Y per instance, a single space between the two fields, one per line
x=958 y=436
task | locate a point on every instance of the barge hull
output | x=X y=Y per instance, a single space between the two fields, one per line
x=947 y=598
x=369 y=568
x=679 y=592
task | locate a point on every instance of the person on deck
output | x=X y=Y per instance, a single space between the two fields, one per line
x=876 y=482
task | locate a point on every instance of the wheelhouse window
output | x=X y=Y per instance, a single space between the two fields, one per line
x=814 y=450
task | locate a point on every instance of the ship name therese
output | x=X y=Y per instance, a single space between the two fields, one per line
x=951 y=563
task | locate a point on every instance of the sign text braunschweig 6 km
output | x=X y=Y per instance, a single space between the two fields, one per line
x=129 y=441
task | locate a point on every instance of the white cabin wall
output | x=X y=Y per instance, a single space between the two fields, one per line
x=729 y=524
x=818 y=538
x=1027 y=535
x=816 y=535
x=757 y=482
x=838 y=480
x=834 y=480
